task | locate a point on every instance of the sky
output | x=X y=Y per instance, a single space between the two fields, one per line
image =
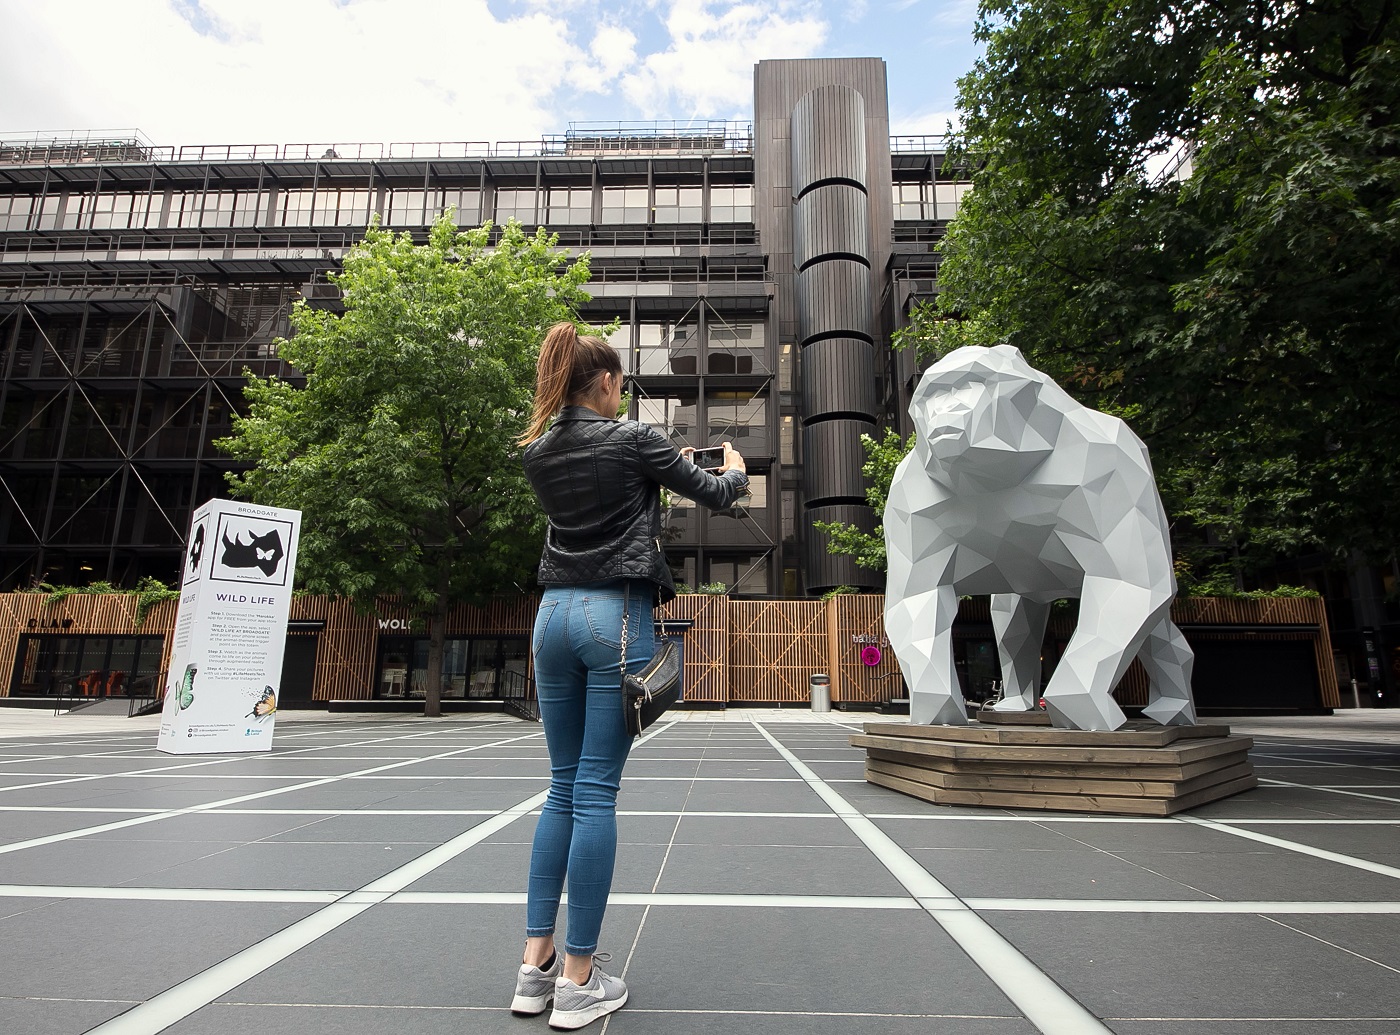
x=387 y=71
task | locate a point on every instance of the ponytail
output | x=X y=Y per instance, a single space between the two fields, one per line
x=569 y=368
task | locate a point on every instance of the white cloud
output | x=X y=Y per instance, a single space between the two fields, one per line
x=926 y=123
x=614 y=50
x=708 y=68
x=278 y=71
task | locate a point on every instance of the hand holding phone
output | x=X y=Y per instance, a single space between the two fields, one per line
x=710 y=458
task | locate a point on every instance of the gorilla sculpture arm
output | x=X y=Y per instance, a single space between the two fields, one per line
x=1015 y=490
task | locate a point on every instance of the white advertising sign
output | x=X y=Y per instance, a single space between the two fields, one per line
x=223 y=681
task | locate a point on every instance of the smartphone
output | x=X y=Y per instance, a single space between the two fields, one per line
x=710 y=458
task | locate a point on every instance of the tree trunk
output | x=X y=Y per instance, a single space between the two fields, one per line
x=437 y=639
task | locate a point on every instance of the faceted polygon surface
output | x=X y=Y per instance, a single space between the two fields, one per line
x=762 y=886
x=1015 y=490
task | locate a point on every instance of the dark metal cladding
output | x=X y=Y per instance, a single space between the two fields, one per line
x=828 y=138
x=832 y=459
x=833 y=298
x=828 y=570
x=838 y=378
x=830 y=220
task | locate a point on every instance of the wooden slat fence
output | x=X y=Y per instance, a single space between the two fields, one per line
x=735 y=650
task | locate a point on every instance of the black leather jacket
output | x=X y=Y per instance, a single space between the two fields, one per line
x=597 y=480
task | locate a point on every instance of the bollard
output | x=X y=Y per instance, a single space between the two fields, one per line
x=820 y=687
x=1355 y=695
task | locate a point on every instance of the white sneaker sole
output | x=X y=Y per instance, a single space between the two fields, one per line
x=570 y=1020
x=530 y=1005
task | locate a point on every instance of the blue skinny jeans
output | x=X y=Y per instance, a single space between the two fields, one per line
x=577 y=644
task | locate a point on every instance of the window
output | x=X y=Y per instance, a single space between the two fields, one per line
x=667 y=348
x=731 y=204
x=736 y=348
x=404 y=207
x=621 y=341
x=677 y=204
x=913 y=200
x=672 y=415
x=740 y=418
x=743 y=575
x=950 y=197
x=465 y=203
x=569 y=205
x=516 y=203
x=624 y=204
x=786 y=353
x=787 y=439
x=341 y=207
x=230 y=208
x=15 y=210
x=293 y=208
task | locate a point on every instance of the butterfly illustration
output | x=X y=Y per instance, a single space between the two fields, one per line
x=266 y=704
x=265 y=555
x=184 y=693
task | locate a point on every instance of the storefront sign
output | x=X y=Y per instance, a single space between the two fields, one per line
x=225 y=666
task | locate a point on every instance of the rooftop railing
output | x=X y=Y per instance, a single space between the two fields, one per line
x=582 y=140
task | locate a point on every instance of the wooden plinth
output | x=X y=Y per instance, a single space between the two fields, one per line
x=1142 y=769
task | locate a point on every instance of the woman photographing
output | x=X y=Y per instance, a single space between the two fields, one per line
x=598 y=480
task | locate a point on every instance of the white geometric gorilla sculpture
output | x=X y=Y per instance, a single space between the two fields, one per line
x=1016 y=490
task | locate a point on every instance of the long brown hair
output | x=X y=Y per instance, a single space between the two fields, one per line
x=569 y=369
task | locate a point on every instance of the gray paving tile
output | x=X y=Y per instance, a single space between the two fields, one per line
x=1281 y=1026
x=1071 y=874
x=979 y=834
x=54 y=1016
x=1136 y=965
x=773 y=958
x=506 y=867
x=754 y=870
x=205 y=826
x=1375 y=937
x=742 y=797
x=720 y=831
x=24 y=826
x=354 y=828
x=1261 y=874
x=282 y=864
x=227 y=1019
x=401 y=955
x=86 y=949
x=638 y=1019
x=88 y=863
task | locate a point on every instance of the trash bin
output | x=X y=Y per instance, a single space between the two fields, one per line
x=820 y=685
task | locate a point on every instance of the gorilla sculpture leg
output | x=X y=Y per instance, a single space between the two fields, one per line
x=1114 y=617
x=1019 y=625
x=920 y=628
x=1168 y=659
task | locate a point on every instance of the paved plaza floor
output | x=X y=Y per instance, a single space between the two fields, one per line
x=367 y=876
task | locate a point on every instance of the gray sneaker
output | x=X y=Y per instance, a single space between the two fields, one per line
x=578 y=1005
x=534 y=988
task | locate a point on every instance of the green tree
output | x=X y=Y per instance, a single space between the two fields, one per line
x=400 y=448
x=868 y=548
x=1239 y=310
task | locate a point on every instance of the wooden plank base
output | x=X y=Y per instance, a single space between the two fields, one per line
x=1142 y=769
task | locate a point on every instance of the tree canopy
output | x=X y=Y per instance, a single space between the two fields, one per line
x=400 y=449
x=1189 y=215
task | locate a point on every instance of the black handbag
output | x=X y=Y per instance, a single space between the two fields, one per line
x=648 y=693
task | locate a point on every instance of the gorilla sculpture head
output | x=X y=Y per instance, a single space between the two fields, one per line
x=986 y=418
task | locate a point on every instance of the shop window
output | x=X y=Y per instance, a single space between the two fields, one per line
x=100 y=666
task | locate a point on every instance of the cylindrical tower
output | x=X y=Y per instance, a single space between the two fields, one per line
x=832 y=257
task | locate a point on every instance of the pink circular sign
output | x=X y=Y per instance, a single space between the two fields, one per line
x=870 y=656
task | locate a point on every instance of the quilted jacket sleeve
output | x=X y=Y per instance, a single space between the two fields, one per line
x=664 y=464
